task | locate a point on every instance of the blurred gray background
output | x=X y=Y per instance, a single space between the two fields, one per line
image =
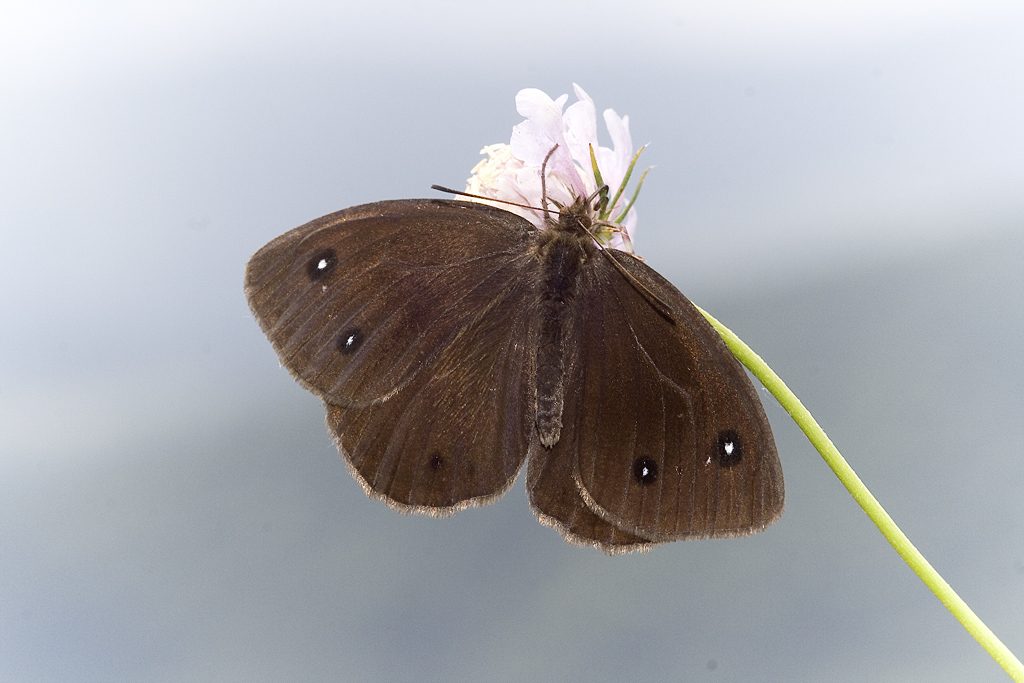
x=839 y=182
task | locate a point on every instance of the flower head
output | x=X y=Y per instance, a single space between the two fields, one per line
x=577 y=167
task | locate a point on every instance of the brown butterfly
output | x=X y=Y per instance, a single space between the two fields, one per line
x=451 y=340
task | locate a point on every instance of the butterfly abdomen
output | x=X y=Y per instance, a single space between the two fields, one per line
x=562 y=256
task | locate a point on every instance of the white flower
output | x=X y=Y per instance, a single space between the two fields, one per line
x=513 y=171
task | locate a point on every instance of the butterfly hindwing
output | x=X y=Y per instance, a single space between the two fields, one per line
x=457 y=433
x=555 y=496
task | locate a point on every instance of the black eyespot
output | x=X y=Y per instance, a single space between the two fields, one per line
x=321 y=264
x=645 y=470
x=350 y=340
x=435 y=461
x=728 y=450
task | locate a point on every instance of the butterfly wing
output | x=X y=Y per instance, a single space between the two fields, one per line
x=411 y=320
x=554 y=495
x=357 y=302
x=673 y=442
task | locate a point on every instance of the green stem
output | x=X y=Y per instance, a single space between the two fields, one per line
x=914 y=559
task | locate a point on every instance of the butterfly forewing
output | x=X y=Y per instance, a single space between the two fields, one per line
x=675 y=443
x=357 y=302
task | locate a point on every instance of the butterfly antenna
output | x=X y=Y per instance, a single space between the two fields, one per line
x=442 y=188
x=653 y=299
x=544 y=182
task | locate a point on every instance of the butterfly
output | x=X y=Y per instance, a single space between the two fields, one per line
x=451 y=341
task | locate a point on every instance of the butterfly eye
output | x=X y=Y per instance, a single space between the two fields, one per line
x=321 y=264
x=350 y=340
x=646 y=471
x=728 y=450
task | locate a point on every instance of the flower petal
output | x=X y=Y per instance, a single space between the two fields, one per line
x=580 y=122
x=563 y=137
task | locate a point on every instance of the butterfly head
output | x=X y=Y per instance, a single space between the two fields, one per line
x=586 y=217
x=576 y=218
